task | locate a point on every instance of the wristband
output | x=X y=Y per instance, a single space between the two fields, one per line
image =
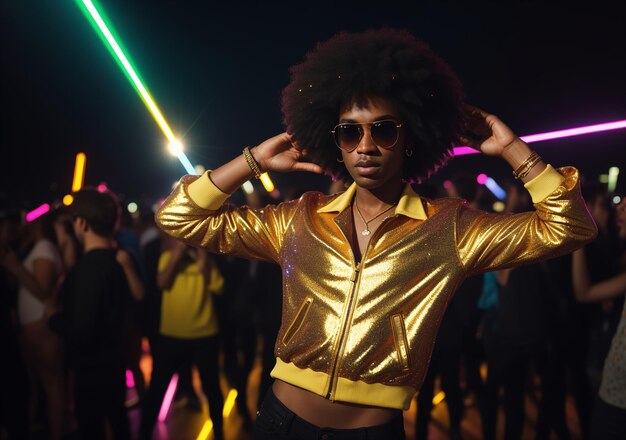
x=526 y=166
x=252 y=163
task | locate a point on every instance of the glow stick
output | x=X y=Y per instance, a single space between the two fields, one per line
x=248 y=188
x=229 y=403
x=492 y=186
x=130 y=379
x=577 y=131
x=206 y=430
x=79 y=172
x=37 y=212
x=98 y=23
x=168 y=398
x=267 y=182
x=439 y=398
x=612 y=183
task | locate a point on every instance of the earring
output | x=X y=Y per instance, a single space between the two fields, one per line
x=408 y=151
x=340 y=160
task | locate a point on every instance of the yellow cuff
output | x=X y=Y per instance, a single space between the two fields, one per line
x=205 y=194
x=544 y=184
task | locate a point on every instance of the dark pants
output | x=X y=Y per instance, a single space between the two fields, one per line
x=99 y=395
x=509 y=368
x=169 y=355
x=608 y=421
x=277 y=422
x=446 y=364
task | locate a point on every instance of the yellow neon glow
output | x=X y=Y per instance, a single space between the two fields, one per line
x=206 y=430
x=267 y=182
x=229 y=403
x=79 y=172
x=68 y=199
x=439 y=398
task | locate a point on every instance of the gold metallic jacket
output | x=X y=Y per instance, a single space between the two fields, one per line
x=364 y=333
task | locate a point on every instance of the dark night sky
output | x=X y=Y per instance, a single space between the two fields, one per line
x=217 y=71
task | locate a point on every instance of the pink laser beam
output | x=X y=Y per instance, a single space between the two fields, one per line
x=576 y=131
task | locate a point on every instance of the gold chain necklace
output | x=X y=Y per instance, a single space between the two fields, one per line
x=367 y=231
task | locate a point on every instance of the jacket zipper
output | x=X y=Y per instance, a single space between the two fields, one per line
x=334 y=377
x=333 y=371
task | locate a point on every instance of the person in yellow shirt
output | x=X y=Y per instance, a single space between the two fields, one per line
x=188 y=331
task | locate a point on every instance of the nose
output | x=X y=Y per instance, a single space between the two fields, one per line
x=366 y=144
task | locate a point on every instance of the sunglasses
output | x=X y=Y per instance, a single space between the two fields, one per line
x=384 y=133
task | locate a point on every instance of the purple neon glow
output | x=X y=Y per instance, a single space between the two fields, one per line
x=37 y=212
x=577 y=131
x=481 y=179
x=102 y=188
x=168 y=398
x=447 y=184
x=130 y=379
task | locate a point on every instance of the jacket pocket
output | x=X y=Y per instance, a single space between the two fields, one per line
x=297 y=321
x=400 y=340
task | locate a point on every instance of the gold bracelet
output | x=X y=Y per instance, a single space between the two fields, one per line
x=252 y=163
x=527 y=165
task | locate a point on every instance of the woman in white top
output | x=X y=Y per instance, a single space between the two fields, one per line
x=38 y=274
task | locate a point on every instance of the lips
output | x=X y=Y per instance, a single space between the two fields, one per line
x=366 y=167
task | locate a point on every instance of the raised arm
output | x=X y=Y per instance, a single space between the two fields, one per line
x=195 y=214
x=559 y=224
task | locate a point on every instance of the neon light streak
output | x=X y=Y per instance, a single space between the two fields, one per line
x=229 y=404
x=495 y=189
x=130 y=379
x=439 y=398
x=613 y=173
x=79 y=172
x=37 y=212
x=168 y=398
x=96 y=19
x=267 y=182
x=206 y=430
x=492 y=186
x=577 y=131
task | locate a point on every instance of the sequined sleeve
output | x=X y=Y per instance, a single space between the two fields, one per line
x=560 y=224
x=238 y=231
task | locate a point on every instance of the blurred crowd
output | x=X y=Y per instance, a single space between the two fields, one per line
x=90 y=291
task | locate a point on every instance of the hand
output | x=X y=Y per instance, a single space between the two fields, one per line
x=485 y=132
x=124 y=258
x=280 y=153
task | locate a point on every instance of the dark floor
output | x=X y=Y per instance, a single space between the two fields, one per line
x=191 y=423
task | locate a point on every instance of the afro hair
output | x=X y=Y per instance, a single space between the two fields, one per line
x=350 y=68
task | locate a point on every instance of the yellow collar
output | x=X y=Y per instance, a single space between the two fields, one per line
x=410 y=203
